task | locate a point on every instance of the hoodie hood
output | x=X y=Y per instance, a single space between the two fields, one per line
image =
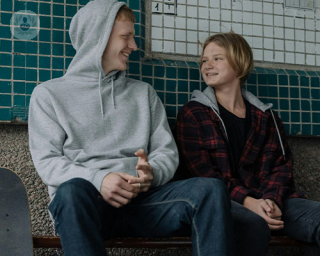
x=89 y=32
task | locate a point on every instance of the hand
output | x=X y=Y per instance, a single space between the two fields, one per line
x=145 y=172
x=261 y=207
x=116 y=190
x=274 y=212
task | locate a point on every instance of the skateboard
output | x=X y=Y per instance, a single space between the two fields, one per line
x=15 y=223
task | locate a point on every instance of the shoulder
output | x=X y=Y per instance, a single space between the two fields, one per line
x=194 y=107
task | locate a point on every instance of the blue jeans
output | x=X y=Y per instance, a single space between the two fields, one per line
x=199 y=207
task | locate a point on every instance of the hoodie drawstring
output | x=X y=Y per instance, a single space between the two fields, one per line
x=100 y=96
x=281 y=144
x=112 y=93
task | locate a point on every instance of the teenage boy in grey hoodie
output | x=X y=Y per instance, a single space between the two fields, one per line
x=102 y=144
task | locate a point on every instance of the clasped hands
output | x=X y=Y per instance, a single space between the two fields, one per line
x=267 y=209
x=119 y=188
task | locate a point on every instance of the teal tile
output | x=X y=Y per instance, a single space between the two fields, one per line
x=5 y=87
x=295 y=129
x=284 y=92
x=305 y=93
x=19 y=5
x=67 y=38
x=71 y=10
x=171 y=111
x=19 y=87
x=5 y=73
x=32 y=6
x=57 y=63
x=143 y=6
x=137 y=30
x=268 y=91
x=134 y=5
x=31 y=61
x=295 y=117
x=44 y=75
x=56 y=74
x=274 y=103
x=5 y=113
x=19 y=46
x=70 y=51
x=32 y=47
x=316 y=118
x=58 y=23
x=170 y=63
x=252 y=89
x=45 y=8
x=171 y=85
x=193 y=64
x=31 y=75
x=270 y=71
x=315 y=129
x=284 y=104
x=280 y=71
x=57 y=36
x=58 y=1
x=272 y=80
x=57 y=49
x=171 y=72
x=286 y=128
x=45 y=35
x=147 y=70
x=157 y=62
x=194 y=74
x=6 y=6
x=293 y=80
x=68 y=21
x=315 y=94
x=5 y=32
x=262 y=79
x=305 y=105
x=19 y=60
x=28 y=100
x=134 y=68
x=171 y=122
x=137 y=15
x=295 y=104
x=171 y=98
x=19 y=74
x=143 y=18
x=143 y=31
x=6 y=18
x=181 y=63
x=312 y=73
x=315 y=82
x=67 y=62
x=161 y=96
x=283 y=80
x=301 y=72
x=315 y=105
x=304 y=81
x=45 y=22
x=71 y=1
x=260 y=70
x=291 y=72
x=5 y=100
x=30 y=87
x=183 y=73
x=183 y=86
x=158 y=71
x=182 y=98
x=252 y=79
x=44 y=62
x=306 y=129
x=19 y=100
x=147 y=80
x=45 y=48
x=5 y=46
x=194 y=86
x=5 y=59
x=58 y=10
x=135 y=56
x=305 y=117
x=294 y=93
x=284 y=116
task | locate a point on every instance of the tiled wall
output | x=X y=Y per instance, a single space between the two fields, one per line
x=26 y=63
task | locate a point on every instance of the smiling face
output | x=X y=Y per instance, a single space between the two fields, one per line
x=120 y=45
x=216 y=70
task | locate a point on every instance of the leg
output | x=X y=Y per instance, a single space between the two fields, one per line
x=76 y=209
x=302 y=219
x=197 y=206
x=252 y=233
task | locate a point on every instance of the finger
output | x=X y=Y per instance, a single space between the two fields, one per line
x=271 y=221
x=276 y=227
x=270 y=204
x=143 y=157
x=125 y=176
x=265 y=206
x=137 y=180
x=144 y=168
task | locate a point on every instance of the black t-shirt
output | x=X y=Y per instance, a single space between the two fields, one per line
x=237 y=130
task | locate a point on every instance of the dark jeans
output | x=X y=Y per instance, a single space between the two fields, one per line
x=199 y=207
x=301 y=221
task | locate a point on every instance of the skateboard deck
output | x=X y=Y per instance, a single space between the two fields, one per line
x=15 y=223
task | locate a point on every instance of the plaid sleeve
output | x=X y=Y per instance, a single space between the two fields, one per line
x=190 y=133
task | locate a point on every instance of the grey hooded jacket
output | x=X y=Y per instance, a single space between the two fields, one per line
x=87 y=124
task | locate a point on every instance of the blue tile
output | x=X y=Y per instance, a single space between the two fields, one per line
x=171 y=72
x=301 y=72
x=5 y=87
x=262 y=79
x=5 y=114
x=32 y=47
x=58 y=10
x=295 y=117
x=137 y=15
x=32 y=6
x=161 y=96
x=6 y=6
x=19 y=46
x=31 y=61
x=57 y=63
x=6 y=18
x=6 y=59
x=315 y=94
x=316 y=118
x=157 y=62
x=305 y=105
x=19 y=87
x=170 y=62
x=181 y=63
x=284 y=116
x=32 y=75
x=57 y=49
x=5 y=100
x=158 y=71
x=19 y=74
x=45 y=22
x=315 y=82
x=5 y=73
x=134 y=5
x=56 y=74
x=315 y=129
x=57 y=36
x=293 y=80
x=68 y=21
x=284 y=104
x=291 y=72
x=44 y=62
x=182 y=86
x=270 y=71
x=280 y=71
x=194 y=74
x=30 y=87
x=294 y=93
x=44 y=75
x=295 y=104
x=134 y=68
x=312 y=73
x=67 y=62
x=158 y=84
x=315 y=105
x=295 y=129
x=194 y=86
x=304 y=81
x=305 y=117
x=284 y=92
x=283 y=80
x=19 y=60
x=45 y=35
x=192 y=64
x=306 y=129
x=171 y=98
x=182 y=98
x=70 y=51
x=252 y=79
x=148 y=80
x=171 y=111
x=171 y=85
x=252 y=89
x=18 y=5
x=137 y=30
x=45 y=48
x=260 y=70
x=305 y=93
x=143 y=18
x=71 y=10
x=5 y=32
x=183 y=73
x=71 y=1
x=286 y=128
x=67 y=38
x=58 y=23
x=45 y=8
x=19 y=100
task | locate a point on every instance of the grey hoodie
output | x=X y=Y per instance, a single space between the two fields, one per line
x=87 y=124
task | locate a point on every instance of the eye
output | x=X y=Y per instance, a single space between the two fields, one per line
x=203 y=61
x=217 y=59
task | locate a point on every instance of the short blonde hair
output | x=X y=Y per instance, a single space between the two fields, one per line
x=239 y=53
x=125 y=14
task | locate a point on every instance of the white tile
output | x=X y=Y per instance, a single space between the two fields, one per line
x=225 y=27
x=182 y=10
x=317 y=4
x=278 y=32
x=257 y=18
x=311 y=60
x=181 y=35
x=215 y=3
x=268 y=19
x=247 y=5
x=192 y=24
x=156 y=46
x=192 y=2
x=257 y=30
x=289 y=22
x=203 y=2
x=289 y=46
x=202 y=36
x=226 y=15
x=289 y=33
x=289 y=12
x=199 y=49
x=236 y=16
x=310 y=36
x=203 y=13
x=203 y=25
x=247 y=30
x=311 y=48
x=168 y=46
x=168 y=34
x=156 y=33
x=278 y=21
x=192 y=11
x=237 y=6
x=318 y=49
x=299 y=35
x=192 y=49
x=309 y=14
x=279 y=44
x=182 y=1
x=257 y=42
x=215 y=26
x=279 y=57
x=226 y=4
x=318 y=12
x=268 y=55
x=237 y=28
x=247 y=17
x=268 y=43
x=267 y=8
x=268 y=31
x=169 y=21
x=181 y=48
x=300 y=46
x=318 y=24
x=278 y=9
x=318 y=60
x=289 y=57
x=181 y=22
x=299 y=23
x=257 y=6
x=278 y=1
x=310 y=24
x=318 y=37
x=249 y=40
x=300 y=58
x=157 y=7
x=214 y=14
x=299 y=13
x=192 y=36
x=257 y=54
x=169 y=9
x=157 y=21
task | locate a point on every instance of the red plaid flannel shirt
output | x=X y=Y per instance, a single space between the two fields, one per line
x=263 y=172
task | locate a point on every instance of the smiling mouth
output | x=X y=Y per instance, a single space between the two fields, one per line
x=126 y=54
x=212 y=74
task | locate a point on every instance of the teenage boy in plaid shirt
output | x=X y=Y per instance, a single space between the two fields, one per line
x=227 y=133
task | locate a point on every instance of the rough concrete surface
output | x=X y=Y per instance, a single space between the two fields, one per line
x=15 y=155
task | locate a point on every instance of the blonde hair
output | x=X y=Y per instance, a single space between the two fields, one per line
x=238 y=51
x=125 y=14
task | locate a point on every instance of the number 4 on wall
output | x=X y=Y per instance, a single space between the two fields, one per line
x=165 y=7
